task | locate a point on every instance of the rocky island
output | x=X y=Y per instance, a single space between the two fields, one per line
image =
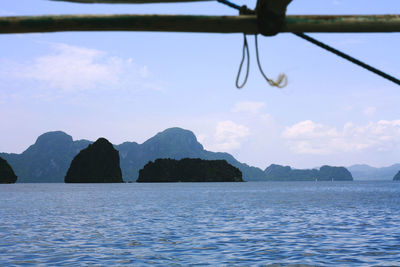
x=325 y=173
x=7 y=175
x=98 y=163
x=189 y=170
x=397 y=177
x=331 y=173
x=48 y=159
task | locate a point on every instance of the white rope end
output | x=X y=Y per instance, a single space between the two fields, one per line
x=281 y=82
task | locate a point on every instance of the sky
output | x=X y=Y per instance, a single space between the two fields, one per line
x=128 y=86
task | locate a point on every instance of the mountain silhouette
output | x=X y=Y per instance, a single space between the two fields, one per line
x=49 y=158
x=366 y=172
x=98 y=163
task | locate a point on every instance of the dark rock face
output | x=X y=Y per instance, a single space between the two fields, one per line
x=325 y=173
x=49 y=158
x=189 y=170
x=7 y=175
x=175 y=143
x=98 y=163
x=397 y=177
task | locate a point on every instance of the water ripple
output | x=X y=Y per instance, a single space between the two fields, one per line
x=275 y=224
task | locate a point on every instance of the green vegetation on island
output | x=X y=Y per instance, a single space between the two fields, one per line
x=98 y=163
x=189 y=170
x=325 y=173
x=7 y=175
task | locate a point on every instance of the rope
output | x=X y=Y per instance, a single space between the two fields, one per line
x=349 y=58
x=230 y=4
x=243 y=10
x=282 y=80
x=245 y=51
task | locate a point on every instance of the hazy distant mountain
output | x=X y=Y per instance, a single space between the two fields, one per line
x=366 y=172
x=174 y=143
x=49 y=158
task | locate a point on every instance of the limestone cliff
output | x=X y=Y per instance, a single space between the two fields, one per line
x=189 y=170
x=7 y=175
x=98 y=163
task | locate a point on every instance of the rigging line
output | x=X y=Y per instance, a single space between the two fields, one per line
x=245 y=51
x=243 y=10
x=282 y=80
x=230 y=4
x=349 y=58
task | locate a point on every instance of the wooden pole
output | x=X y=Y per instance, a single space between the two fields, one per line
x=187 y=23
x=127 y=1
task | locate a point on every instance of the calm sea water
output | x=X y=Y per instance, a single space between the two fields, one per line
x=315 y=223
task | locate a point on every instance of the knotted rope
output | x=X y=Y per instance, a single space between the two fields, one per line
x=282 y=80
x=270 y=21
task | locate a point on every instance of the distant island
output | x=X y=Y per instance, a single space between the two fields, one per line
x=98 y=163
x=189 y=170
x=397 y=177
x=325 y=173
x=7 y=175
x=48 y=159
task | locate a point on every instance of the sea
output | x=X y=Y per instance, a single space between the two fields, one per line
x=184 y=224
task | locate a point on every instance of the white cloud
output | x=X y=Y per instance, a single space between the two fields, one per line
x=202 y=138
x=248 y=107
x=309 y=130
x=73 y=68
x=70 y=68
x=307 y=137
x=228 y=136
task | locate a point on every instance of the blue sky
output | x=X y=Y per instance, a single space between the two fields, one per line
x=127 y=86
